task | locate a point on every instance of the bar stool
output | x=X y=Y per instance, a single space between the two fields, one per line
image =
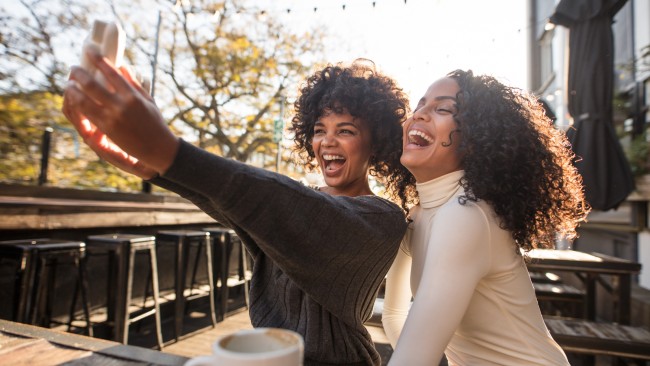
x=183 y=239
x=232 y=260
x=122 y=249
x=35 y=281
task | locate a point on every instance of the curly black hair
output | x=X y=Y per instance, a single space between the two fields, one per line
x=366 y=94
x=517 y=161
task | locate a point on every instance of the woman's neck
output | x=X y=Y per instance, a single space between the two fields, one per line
x=349 y=192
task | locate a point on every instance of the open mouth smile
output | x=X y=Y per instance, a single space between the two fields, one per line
x=333 y=162
x=419 y=138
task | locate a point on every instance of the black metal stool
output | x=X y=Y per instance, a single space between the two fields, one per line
x=36 y=278
x=232 y=263
x=183 y=239
x=122 y=249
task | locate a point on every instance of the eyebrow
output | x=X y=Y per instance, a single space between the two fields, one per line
x=439 y=98
x=340 y=124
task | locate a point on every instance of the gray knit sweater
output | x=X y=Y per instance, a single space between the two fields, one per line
x=318 y=259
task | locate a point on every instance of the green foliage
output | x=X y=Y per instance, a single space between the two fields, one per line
x=23 y=121
x=638 y=155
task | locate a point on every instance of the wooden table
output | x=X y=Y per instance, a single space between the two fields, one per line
x=589 y=267
x=22 y=344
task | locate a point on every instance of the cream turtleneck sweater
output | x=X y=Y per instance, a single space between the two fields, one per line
x=473 y=298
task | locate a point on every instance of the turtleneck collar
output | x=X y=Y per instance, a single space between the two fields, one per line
x=436 y=192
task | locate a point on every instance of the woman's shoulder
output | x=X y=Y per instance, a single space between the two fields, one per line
x=462 y=209
x=379 y=204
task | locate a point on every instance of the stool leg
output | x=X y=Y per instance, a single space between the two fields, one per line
x=112 y=287
x=40 y=273
x=221 y=273
x=48 y=293
x=75 y=293
x=208 y=255
x=28 y=271
x=154 y=282
x=195 y=268
x=125 y=320
x=225 y=290
x=147 y=284
x=244 y=269
x=179 y=302
x=80 y=263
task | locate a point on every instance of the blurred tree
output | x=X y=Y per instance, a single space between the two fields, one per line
x=36 y=38
x=223 y=71
x=227 y=68
x=38 y=41
x=23 y=120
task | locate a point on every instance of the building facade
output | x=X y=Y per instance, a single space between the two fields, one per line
x=624 y=231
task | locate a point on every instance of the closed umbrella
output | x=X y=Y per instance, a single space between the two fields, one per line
x=599 y=156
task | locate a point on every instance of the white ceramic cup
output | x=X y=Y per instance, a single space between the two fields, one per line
x=255 y=347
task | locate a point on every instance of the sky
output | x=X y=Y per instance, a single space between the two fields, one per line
x=415 y=41
x=419 y=41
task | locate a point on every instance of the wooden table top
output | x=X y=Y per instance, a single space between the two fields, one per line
x=573 y=260
x=22 y=344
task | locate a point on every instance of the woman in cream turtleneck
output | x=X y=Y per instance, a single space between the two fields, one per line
x=495 y=179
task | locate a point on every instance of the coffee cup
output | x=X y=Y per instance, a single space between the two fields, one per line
x=255 y=347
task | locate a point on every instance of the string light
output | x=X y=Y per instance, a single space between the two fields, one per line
x=179 y=3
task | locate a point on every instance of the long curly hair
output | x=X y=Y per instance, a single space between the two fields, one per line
x=366 y=94
x=517 y=161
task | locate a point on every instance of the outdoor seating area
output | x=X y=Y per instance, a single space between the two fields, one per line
x=571 y=286
x=127 y=276
x=172 y=172
x=134 y=306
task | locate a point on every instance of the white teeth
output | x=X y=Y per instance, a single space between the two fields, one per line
x=333 y=157
x=421 y=134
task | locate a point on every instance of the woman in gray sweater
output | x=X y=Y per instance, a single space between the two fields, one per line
x=320 y=254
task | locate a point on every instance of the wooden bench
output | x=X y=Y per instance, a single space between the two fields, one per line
x=558 y=291
x=599 y=338
x=560 y=299
x=544 y=277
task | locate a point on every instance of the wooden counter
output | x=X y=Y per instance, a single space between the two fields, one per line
x=49 y=208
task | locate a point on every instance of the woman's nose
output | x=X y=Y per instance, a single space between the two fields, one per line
x=329 y=140
x=420 y=115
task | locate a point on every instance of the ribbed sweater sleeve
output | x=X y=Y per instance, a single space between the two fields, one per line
x=333 y=248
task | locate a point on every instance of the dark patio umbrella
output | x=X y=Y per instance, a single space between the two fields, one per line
x=600 y=158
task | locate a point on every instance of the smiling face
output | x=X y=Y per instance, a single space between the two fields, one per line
x=342 y=145
x=430 y=149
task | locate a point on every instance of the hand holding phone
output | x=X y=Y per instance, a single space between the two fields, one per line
x=109 y=39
